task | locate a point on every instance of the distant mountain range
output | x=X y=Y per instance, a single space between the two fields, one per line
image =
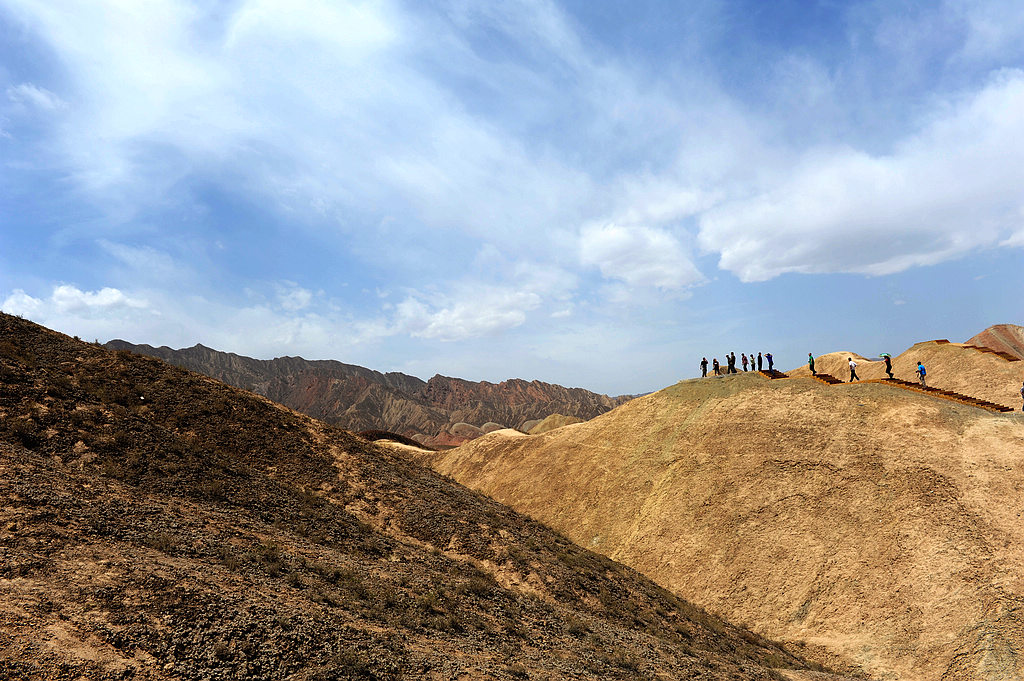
x=441 y=411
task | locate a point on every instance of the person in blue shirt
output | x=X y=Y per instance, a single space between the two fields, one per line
x=921 y=374
x=771 y=361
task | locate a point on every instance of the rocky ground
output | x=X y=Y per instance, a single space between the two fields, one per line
x=157 y=524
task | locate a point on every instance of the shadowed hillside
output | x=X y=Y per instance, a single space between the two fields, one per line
x=359 y=399
x=882 y=527
x=158 y=524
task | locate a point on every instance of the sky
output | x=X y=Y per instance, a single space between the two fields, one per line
x=583 y=192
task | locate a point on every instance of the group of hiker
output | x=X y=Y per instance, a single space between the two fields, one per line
x=730 y=364
x=730 y=367
x=886 y=358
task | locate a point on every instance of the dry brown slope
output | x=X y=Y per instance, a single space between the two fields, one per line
x=950 y=366
x=157 y=524
x=880 y=524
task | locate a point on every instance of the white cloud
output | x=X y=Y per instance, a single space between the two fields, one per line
x=70 y=299
x=85 y=313
x=37 y=97
x=293 y=297
x=638 y=256
x=951 y=188
x=479 y=313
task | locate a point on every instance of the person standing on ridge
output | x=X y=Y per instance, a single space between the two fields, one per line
x=853 y=370
x=921 y=374
x=810 y=363
x=759 y=361
x=888 y=365
x=728 y=363
x=704 y=368
x=771 y=362
x=732 y=362
x=743 y=359
x=716 y=367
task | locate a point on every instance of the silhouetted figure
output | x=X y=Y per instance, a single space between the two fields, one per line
x=743 y=359
x=728 y=363
x=715 y=365
x=704 y=368
x=921 y=374
x=771 y=362
x=759 y=361
x=810 y=363
x=853 y=370
x=888 y=365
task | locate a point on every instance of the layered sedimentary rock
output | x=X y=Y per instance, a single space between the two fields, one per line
x=357 y=398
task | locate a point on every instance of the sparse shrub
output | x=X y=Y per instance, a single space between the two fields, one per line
x=519 y=671
x=576 y=627
x=479 y=585
x=214 y=490
x=21 y=355
x=162 y=541
x=27 y=432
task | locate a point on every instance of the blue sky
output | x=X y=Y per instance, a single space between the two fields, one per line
x=589 y=193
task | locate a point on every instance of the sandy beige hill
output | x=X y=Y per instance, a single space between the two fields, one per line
x=950 y=366
x=158 y=524
x=883 y=528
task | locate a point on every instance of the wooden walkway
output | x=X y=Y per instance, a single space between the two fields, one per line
x=828 y=379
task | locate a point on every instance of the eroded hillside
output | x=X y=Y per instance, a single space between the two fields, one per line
x=157 y=524
x=881 y=527
x=358 y=399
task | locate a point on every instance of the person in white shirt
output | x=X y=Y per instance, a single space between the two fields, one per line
x=853 y=370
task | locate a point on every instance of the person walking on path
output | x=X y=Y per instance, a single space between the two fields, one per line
x=716 y=367
x=704 y=368
x=888 y=365
x=743 y=360
x=921 y=374
x=853 y=370
x=810 y=363
x=1022 y=394
x=759 y=361
x=771 y=362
